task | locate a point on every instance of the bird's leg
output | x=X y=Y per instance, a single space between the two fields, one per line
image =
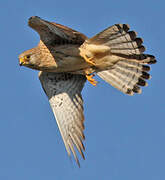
x=90 y=78
x=89 y=60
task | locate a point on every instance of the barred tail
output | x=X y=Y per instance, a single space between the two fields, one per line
x=127 y=76
x=118 y=52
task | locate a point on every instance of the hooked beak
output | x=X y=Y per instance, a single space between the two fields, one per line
x=21 y=61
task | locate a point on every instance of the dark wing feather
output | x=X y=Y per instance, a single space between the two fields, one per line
x=53 y=33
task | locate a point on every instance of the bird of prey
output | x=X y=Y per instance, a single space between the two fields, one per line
x=66 y=58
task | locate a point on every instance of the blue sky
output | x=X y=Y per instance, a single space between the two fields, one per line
x=125 y=136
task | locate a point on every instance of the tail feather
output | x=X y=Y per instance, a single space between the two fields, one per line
x=114 y=81
x=110 y=33
x=118 y=56
x=121 y=37
x=126 y=77
x=137 y=70
x=128 y=51
x=128 y=44
x=119 y=40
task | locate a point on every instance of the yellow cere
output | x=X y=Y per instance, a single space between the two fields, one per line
x=22 y=60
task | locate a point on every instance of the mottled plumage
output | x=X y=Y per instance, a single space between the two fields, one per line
x=66 y=58
x=64 y=93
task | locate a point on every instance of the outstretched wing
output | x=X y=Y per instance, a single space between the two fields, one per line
x=64 y=93
x=53 y=33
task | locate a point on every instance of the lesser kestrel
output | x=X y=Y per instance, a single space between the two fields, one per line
x=66 y=58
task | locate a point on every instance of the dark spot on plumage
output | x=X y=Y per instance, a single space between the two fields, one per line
x=145 y=75
x=60 y=104
x=136 y=89
x=132 y=35
x=54 y=89
x=67 y=76
x=151 y=56
x=141 y=49
x=152 y=59
x=145 y=68
x=126 y=27
x=129 y=91
x=51 y=78
x=139 y=41
x=62 y=77
x=141 y=82
x=120 y=29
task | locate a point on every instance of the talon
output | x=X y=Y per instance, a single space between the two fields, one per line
x=91 y=80
x=89 y=60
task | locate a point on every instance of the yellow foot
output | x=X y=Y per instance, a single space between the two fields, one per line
x=91 y=80
x=89 y=60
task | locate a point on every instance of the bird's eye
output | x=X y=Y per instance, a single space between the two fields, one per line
x=28 y=56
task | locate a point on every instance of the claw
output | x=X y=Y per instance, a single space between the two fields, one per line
x=91 y=80
x=89 y=60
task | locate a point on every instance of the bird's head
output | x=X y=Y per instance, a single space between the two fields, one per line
x=29 y=58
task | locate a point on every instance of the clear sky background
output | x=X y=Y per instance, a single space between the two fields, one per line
x=125 y=136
